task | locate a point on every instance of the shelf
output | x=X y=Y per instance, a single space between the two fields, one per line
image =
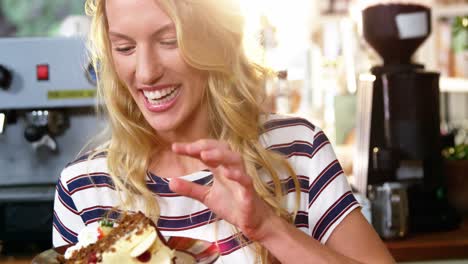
x=453 y=85
x=449 y=10
x=432 y=246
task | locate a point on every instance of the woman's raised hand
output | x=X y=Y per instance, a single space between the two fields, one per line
x=232 y=196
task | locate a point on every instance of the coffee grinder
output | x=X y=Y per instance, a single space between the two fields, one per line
x=398 y=134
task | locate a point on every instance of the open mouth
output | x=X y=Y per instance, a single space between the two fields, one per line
x=162 y=96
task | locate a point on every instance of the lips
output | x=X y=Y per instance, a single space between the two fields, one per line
x=160 y=94
x=159 y=100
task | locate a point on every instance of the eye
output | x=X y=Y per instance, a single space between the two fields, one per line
x=124 y=49
x=169 y=42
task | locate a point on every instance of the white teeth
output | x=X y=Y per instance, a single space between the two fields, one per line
x=161 y=96
x=158 y=95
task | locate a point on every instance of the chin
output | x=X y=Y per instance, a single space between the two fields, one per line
x=162 y=127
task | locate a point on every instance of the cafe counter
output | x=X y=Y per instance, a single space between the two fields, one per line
x=432 y=246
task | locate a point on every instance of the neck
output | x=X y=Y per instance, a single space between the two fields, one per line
x=166 y=163
x=170 y=165
x=195 y=127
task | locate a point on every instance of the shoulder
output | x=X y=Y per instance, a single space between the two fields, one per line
x=92 y=155
x=91 y=163
x=271 y=122
x=290 y=132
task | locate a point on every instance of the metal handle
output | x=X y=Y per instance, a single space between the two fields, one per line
x=2 y=122
x=47 y=142
x=397 y=210
x=394 y=199
x=396 y=206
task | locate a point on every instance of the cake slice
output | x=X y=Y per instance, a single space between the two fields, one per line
x=134 y=239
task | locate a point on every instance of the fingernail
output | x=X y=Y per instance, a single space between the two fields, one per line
x=176 y=146
x=206 y=154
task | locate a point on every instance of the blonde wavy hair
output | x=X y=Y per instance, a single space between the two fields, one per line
x=210 y=38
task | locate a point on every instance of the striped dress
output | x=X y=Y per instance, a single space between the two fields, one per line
x=85 y=192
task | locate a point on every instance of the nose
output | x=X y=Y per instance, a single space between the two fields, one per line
x=149 y=68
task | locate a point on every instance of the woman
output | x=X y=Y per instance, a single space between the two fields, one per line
x=191 y=147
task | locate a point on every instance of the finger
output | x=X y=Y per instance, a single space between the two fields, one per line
x=181 y=148
x=218 y=157
x=189 y=189
x=238 y=176
x=194 y=148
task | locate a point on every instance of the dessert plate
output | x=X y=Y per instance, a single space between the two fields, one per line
x=188 y=251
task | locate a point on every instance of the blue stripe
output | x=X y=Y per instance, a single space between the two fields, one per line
x=289 y=184
x=297 y=148
x=90 y=181
x=285 y=122
x=234 y=243
x=100 y=213
x=65 y=197
x=159 y=188
x=63 y=231
x=302 y=219
x=162 y=187
x=321 y=138
x=332 y=215
x=188 y=222
x=300 y=148
x=323 y=180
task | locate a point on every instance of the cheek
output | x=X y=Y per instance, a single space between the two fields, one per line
x=200 y=81
x=123 y=68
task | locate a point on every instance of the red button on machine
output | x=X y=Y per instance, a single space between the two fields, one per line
x=42 y=72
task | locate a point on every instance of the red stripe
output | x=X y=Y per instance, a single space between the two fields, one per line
x=328 y=211
x=241 y=245
x=63 y=202
x=322 y=173
x=92 y=220
x=299 y=178
x=189 y=227
x=299 y=154
x=229 y=238
x=318 y=134
x=66 y=206
x=287 y=125
x=184 y=216
x=64 y=238
x=168 y=195
x=319 y=148
x=87 y=175
x=92 y=186
x=151 y=181
x=290 y=144
x=95 y=207
x=64 y=189
x=325 y=186
x=64 y=226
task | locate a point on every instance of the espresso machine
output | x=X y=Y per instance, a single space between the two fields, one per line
x=398 y=131
x=47 y=98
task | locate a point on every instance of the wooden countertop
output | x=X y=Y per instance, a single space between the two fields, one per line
x=432 y=246
x=15 y=260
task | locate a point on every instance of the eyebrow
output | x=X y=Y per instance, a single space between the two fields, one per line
x=161 y=30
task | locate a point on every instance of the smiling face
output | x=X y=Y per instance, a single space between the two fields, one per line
x=147 y=59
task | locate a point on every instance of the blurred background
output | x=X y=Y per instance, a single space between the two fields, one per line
x=386 y=80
